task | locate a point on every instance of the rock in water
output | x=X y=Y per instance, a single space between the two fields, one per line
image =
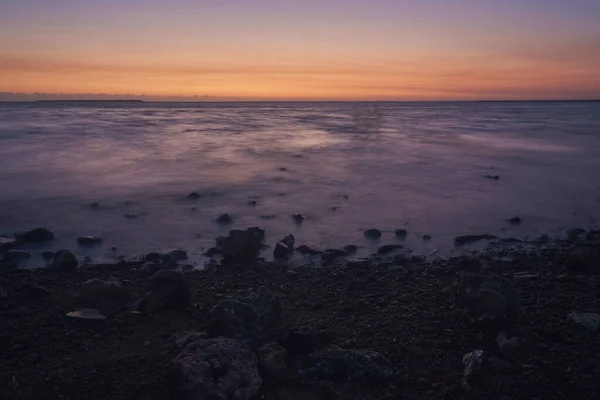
x=281 y=251
x=584 y=259
x=401 y=233
x=338 y=364
x=289 y=241
x=515 y=220
x=8 y=243
x=64 y=260
x=224 y=219
x=105 y=296
x=487 y=300
x=426 y=237
x=193 y=196
x=272 y=359
x=588 y=321
x=388 y=248
x=88 y=240
x=462 y=240
x=240 y=246
x=167 y=290
x=492 y=177
x=298 y=217
x=307 y=250
x=37 y=235
x=372 y=233
x=329 y=255
x=213 y=369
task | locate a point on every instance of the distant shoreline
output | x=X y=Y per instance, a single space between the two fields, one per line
x=89 y=101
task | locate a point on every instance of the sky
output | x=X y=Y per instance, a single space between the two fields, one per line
x=303 y=50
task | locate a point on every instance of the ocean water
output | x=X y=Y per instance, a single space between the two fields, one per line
x=345 y=166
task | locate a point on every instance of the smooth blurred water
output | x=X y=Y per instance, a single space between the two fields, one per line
x=417 y=166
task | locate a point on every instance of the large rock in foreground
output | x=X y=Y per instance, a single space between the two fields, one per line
x=349 y=365
x=167 y=290
x=241 y=246
x=213 y=369
x=64 y=260
x=105 y=296
x=487 y=300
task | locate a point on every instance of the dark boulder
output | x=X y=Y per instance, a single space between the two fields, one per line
x=329 y=255
x=574 y=234
x=213 y=251
x=298 y=218
x=388 y=248
x=213 y=369
x=426 y=238
x=584 y=259
x=48 y=255
x=515 y=220
x=8 y=243
x=64 y=260
x=307 y=250
x=167 y=290
x=350 y=249
x=240 y=246
x=224 y=219
x=105 y=296
x=492 y=177
x=89 y=240
x=363 y=366
x=193 y=196
x=251 y=203
x=401 y=233
x=465 y=239
x=289 y=241
x=372 y=233
x=281 y=251
x=37 y=235
x=487 y=300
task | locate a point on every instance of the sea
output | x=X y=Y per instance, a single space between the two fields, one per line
x=345 y=166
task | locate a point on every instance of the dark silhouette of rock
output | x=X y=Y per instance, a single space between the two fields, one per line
x=64 y=260
x=298 y=218
x=426 y=238
x=213 y=369
x=240 y=246
x=372 y=233
x=8 y=243
x=193 y=196
x=289 y=241
x=401 y=233
x=515 y=220
x=37 y=235
x=574 y=234
x=105 y=296
x=465 y=239
x=261 y=233
x=584 y=259
x=251 y=203
x=329 y=255
x=272 y=359
x=358 y=263
x=224 y=219
x=89 y=240
x=281 y=251
x=213 y=251
x=350 y=249
x=307 y=250
x=388 y=248
x=167 y=290
x=338 y=364
x=487 y=300
x=492 y=177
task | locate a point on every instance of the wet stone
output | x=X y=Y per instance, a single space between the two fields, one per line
x=372 y=233
x=64 y=260
x=224 y=219
x=89 y=240
x=37 y=235
x=401 y=233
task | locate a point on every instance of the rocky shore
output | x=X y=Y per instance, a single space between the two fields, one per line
x=518 y=321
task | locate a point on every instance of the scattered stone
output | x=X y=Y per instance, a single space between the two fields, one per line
x=372 y=233
x=89 y=240
x=224 y=219
x=281 y=251
x=289 y=241
x=272 y=359
x=37 y=235
x=334 y=208
x=15 y=256
x=251 y=203
x=401 y=233
x=426 y=238
x=388 y=248
x=64 y=260
x=588 y=321
x=87 y=313
x=462 y=240
x=349 y=365
x=213 y=369
x=34 y=291
x=131 y=215
x=298 y=218
x=515 y=220
x=487 y=300
x=350 y=249
x=329 y=255
x=8 y=243
x=584 y=259
x=504 y=343
x=417 y=259
x=104 y=296
x=358 y=263
x=193 y=196
x=174 y=256
x=510 y=240
x=307 y=250
x=241 y=246
x=167 y=290
x=492 y=177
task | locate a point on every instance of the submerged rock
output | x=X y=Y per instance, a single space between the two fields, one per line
x=224 y=219
x=492 y=177
x=487 y=300
x=213 y=369
x=193 y=196
x=350 y=249
x=426 y=237
x=103 y=295
x=48 y=255
x=37 y=235
x=167 y=290
x=329 y=255
x=388 y=248
x=64 y=260
x=462 y=240
x=372 y=233
x=338 y=364
x=401 y=233
x=298 y=217
x=251 y=203
x=307 y=250
x=89 y=240
x=241 y=246
x=515 y=220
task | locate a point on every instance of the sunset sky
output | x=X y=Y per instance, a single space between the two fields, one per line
x=304 y=50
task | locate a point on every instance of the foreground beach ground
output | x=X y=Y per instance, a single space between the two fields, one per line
x=370 y=329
